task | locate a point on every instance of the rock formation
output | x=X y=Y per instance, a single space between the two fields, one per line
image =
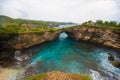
x=104 y=36
x=27 y=40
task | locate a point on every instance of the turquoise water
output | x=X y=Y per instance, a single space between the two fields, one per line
x=73 y=56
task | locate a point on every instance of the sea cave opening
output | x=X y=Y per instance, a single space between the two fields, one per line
x=62 y=36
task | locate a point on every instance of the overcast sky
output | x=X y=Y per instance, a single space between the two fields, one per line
x=62 y=10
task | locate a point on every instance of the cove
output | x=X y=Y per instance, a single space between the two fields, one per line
x=73 y=56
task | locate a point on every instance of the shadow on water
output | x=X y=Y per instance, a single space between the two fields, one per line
x=72 y=56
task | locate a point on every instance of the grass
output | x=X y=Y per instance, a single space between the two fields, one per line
x=52 y=30
x=117 y=29
x=36 y=30
x=65 y=28
x=36 y=77
x=85 y=77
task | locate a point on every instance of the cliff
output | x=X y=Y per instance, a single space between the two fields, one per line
x=104 y=36
x=27 y=40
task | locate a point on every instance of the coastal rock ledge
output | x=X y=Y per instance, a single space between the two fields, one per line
x=104 y=36
x=27 y=40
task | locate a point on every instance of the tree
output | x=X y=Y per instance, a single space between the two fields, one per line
x=84 y=24
x=119 y=25
x=99 y=22
x=113 y=23
x=106 y=23
x=90 y=21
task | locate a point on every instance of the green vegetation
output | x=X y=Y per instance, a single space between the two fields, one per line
x=5 y=21
x=85 y=77
x=52 y=30
x=36 y=30
x=105 y=24
x=10 y=30
x=36 y=77
x=7 y=31
x=10 y=27
x=64 y=28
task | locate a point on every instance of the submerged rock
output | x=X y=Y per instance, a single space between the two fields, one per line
x=111 y=58
x=113 y=62
x=116 y=64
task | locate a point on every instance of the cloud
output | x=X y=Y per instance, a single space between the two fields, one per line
x=61 y=10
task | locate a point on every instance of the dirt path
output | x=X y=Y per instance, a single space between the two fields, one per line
x=57 y=75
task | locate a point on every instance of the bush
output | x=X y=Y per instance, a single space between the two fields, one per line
x=51 y=30
x=105 y=24
x=8 y=31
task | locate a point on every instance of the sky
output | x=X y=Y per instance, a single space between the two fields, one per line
x=62 y=10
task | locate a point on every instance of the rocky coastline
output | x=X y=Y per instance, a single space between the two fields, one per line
x=27 y=40
x=103 y=36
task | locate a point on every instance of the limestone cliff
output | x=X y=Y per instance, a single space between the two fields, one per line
x=27 y=40
x=103 y=36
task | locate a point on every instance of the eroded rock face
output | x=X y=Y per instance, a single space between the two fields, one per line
x=27 y=40
x=103 y=36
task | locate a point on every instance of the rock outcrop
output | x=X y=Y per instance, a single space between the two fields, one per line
x=111 y=58
x=116 y=64
x=103 y=36
x=27 y=40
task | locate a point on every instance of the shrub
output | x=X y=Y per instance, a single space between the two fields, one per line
x=51 y=30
